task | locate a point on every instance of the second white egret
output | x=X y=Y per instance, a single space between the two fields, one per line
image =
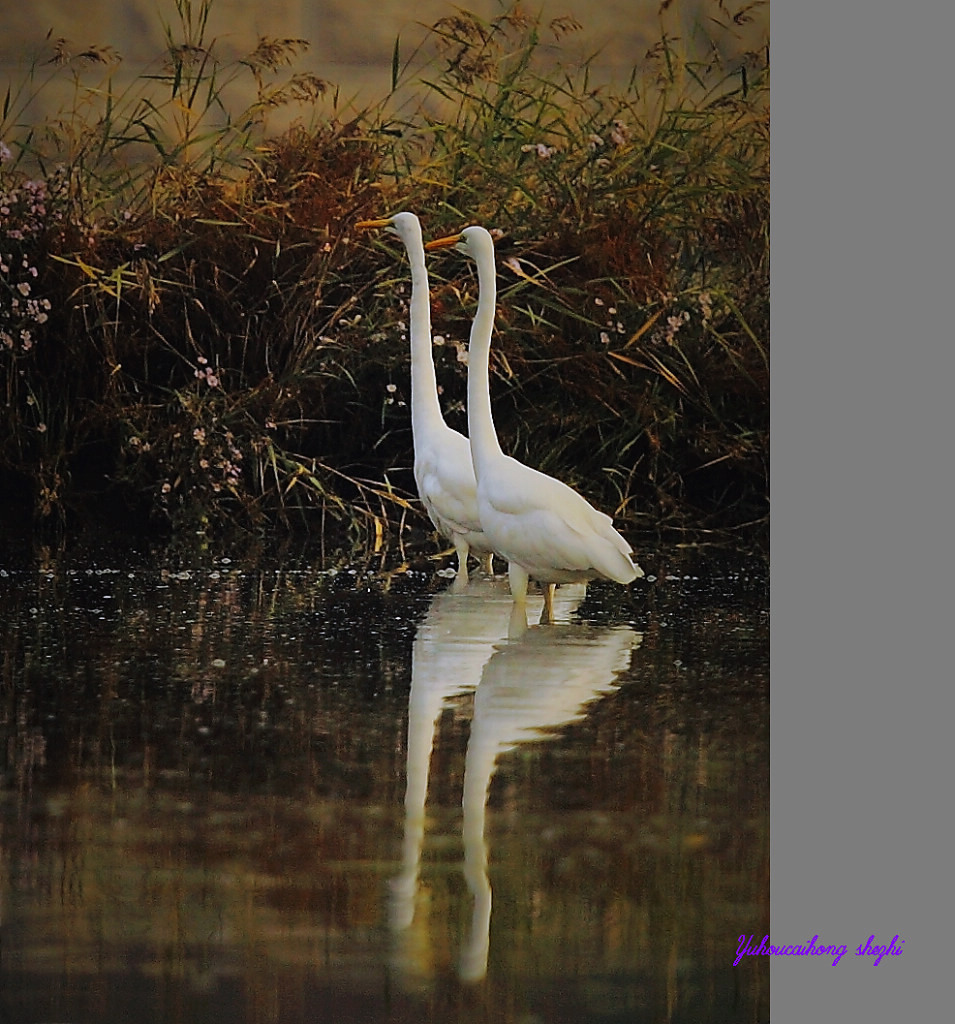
x=545 y=529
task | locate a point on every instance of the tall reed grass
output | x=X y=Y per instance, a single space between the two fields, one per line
x=192 y=337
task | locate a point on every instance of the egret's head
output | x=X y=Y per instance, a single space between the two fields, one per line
x=404 y=225
x=471 y=241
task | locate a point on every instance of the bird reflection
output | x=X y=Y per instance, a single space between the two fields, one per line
x=528 y=680
x=452 y=644
x=528 y=687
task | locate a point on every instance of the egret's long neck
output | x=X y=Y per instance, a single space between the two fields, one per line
x=425 y=409
x=484 y=444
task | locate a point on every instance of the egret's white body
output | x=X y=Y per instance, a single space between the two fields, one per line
x=442 y=456
x=544 y=528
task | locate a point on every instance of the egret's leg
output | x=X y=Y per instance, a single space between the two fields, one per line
x=461 y=579
x=487 y=563
x=547 y=612
x=517 y=578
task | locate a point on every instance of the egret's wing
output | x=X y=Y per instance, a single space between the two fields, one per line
x=446 y=483
x=543 y=524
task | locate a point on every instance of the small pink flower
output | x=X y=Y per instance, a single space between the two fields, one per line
x=543 y=151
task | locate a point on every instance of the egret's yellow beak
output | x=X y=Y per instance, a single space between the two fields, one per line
x=381 y=222
x=442 y=243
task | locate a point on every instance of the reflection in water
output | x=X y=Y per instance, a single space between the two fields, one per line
x=540 y=682
x=201 y=782
x=453 y=642
x=527 y=681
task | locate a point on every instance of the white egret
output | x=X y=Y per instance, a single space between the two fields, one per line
x=442 y=456
x=544 y=528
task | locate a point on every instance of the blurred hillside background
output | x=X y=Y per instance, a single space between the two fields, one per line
x=351 y=42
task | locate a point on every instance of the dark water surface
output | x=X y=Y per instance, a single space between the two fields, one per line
x=283 y=794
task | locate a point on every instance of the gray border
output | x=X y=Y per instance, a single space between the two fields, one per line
x=862 y=509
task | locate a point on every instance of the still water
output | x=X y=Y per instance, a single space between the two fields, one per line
x=289 y=793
